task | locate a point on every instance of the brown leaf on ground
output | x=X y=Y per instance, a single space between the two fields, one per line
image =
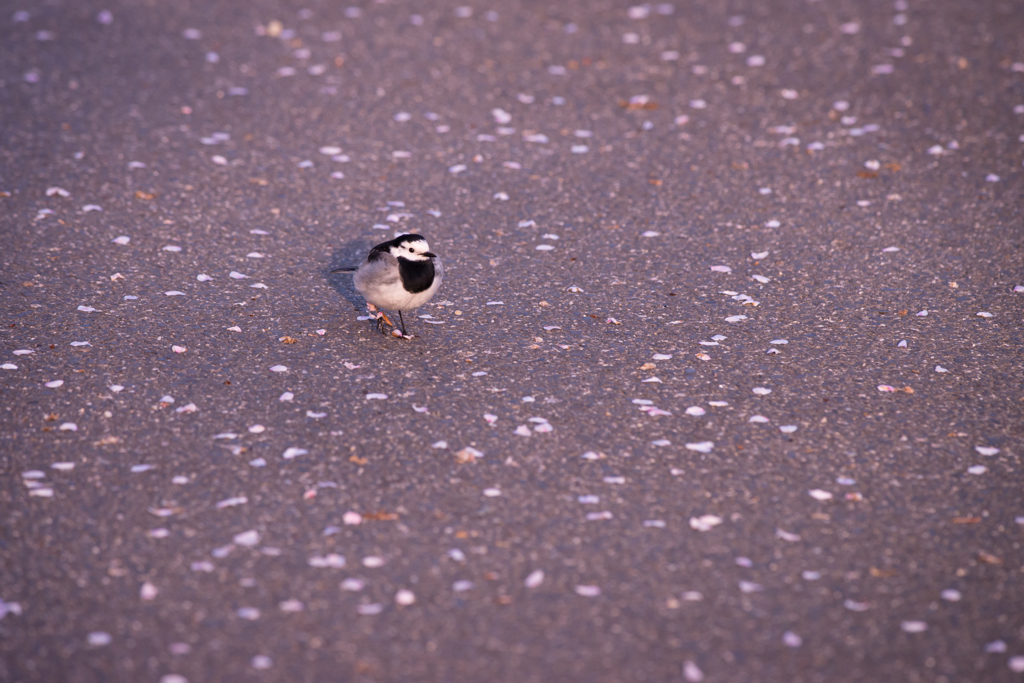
x=467 y=455
x=988 y=558
x=638 y=104
x=380 y=516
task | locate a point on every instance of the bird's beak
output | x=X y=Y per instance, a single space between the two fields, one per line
x=427 y=253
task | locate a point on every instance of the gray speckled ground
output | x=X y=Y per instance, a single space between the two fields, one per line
x=612 y=190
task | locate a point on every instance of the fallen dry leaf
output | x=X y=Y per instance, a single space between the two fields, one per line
x=988 y=558
x=466 y=455
x=380 y=516
x=639 y=104
x=357 y=460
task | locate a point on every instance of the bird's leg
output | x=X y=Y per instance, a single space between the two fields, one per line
x=380 y=316
x=402 y=320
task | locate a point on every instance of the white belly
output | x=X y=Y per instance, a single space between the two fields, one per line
x=393 y=297
x=388 y=292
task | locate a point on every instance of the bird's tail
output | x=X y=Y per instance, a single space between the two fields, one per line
x=346 y=269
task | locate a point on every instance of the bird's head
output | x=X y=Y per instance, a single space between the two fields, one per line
x=411 y=248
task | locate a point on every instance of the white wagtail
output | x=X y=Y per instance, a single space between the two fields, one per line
x=397 y=275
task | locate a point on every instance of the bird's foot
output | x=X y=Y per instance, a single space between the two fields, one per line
x=381 y=318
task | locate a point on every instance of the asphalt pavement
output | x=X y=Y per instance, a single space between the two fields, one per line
x=724 y=381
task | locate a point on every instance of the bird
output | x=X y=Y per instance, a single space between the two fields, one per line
x=397 y=275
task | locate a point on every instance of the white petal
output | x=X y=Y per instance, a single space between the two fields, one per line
x=148 y=591
x=692 y=672
x=247 y=538
x=705 y=522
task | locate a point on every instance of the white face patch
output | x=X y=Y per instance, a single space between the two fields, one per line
x=412 y=251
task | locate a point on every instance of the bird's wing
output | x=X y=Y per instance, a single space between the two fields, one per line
x=438 y=270
x=382 y=249
x=380 y=269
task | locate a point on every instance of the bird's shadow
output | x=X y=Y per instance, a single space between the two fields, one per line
x=350 y=254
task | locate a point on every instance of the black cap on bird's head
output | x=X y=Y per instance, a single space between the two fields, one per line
x=411 y=247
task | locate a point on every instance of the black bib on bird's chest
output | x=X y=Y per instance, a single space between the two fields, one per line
x=417 y=276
